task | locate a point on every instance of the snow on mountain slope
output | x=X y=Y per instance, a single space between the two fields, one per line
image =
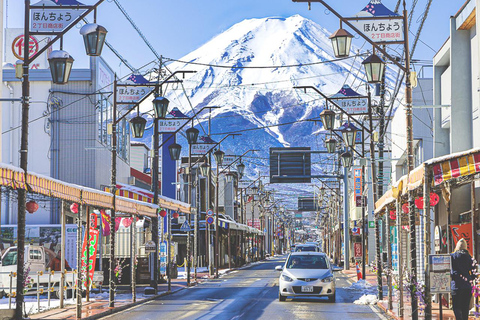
x=249 y=72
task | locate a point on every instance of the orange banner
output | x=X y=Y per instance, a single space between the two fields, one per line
x=463 y=231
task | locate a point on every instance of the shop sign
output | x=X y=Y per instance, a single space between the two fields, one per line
x=201 y=148
x=170 y=125
x=53 y=19
x=88 y=268
x=381 y=30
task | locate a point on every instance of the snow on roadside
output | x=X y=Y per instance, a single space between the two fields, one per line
x=367 y=299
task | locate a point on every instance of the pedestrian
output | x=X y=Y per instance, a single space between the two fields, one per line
x=56 y=263
x=463 y=268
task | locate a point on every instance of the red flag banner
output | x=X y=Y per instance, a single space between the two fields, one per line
x=90 y=245
x=463 y=231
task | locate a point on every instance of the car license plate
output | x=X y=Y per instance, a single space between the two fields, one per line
x=307 y=289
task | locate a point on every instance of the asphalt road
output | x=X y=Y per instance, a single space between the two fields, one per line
x=250 y=293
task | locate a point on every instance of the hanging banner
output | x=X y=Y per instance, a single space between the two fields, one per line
x=201 y=148
x=381 y=30
x=92 y=255
x=132 y=94
x=463 y=231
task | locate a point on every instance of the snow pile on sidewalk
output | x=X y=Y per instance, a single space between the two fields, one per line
x=361 y=285
x=367 y=299
x=31 y=304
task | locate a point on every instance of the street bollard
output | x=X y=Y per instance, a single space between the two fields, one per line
x=38 y=290
x=11 y=292
x=50 y=272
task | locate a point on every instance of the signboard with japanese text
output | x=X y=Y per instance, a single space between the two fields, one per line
x=381 y=30
x=440 y=278
x=357 y=250
x=357 y=186
x=170 y=125
x=88 y=268
x=243 y=184
x=201 y=148
x=104 y=76
x=256 y=223
x=53 y=19
x=353 y=105
x=132 y=94
x=228 y=160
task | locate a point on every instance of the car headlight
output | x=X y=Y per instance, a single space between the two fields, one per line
x=328 y=279
x=286 y=278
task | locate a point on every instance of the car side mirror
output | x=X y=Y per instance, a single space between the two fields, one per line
x=278 y=268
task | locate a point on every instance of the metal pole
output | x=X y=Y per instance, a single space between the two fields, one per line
x=426 y=222
x=400 y=245
x=155 y=191
x=169 y=253
x=217 y=242
x=22 y=193
x=410 y=164
x=79 y=263
x=62 y=255
x=346 y=225
x=389 y=260
x=133 y=255
x=113 y=182
x=189 y=201
x=365 y=227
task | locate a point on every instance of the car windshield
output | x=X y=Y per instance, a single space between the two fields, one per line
x=305 y=248
x=307 y=262
x=10 y=259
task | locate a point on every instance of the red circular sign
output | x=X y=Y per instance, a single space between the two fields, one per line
x=18 y=46
x=209 y=219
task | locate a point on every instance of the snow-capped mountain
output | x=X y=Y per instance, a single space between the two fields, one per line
x=249 y=72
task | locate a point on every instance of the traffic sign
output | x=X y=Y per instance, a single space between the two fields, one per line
x=209 y=219
x=150 y=246
x=210 y=212
x=371 y=224
x=185 y=227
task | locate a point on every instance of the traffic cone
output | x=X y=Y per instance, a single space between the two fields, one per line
x=359 y=273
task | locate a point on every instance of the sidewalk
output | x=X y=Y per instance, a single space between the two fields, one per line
x=371 y=278
x=98 y=305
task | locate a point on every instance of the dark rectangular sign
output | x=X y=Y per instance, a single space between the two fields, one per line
x=290 y=165
x=307 y=204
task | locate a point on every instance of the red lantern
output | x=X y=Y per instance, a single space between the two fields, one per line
x=127 y=222
x=74 y=207
x=405 y=208
x=419 y=203
x=163 y=213
x=393 y=215
x=175 y=215
x=31 y=206
x=434 y=199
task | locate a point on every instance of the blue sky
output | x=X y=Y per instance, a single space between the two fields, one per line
x=177 y=27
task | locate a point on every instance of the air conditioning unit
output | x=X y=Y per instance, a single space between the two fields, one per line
x=131 y=181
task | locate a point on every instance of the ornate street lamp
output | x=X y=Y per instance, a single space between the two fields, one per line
x=240 y=169
x=229 y=177
x=60 y=66
x=204 y=169
x=219 y=154
x=331 y=145
x=160 y=106
x=341 y=42
x=19 y=69
x=174 y=149
x=374 y=68
x=328 y=119
x=94 y=38
x=349 y=132
x=192 y=135
x=138 y=126
x=347 y=159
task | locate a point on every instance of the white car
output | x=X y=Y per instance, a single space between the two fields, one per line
x=306 y=274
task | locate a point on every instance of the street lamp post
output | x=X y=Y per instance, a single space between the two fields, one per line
x=219 y=154
x=22 y=193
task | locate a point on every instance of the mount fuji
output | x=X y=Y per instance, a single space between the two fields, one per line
x=249 y=72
